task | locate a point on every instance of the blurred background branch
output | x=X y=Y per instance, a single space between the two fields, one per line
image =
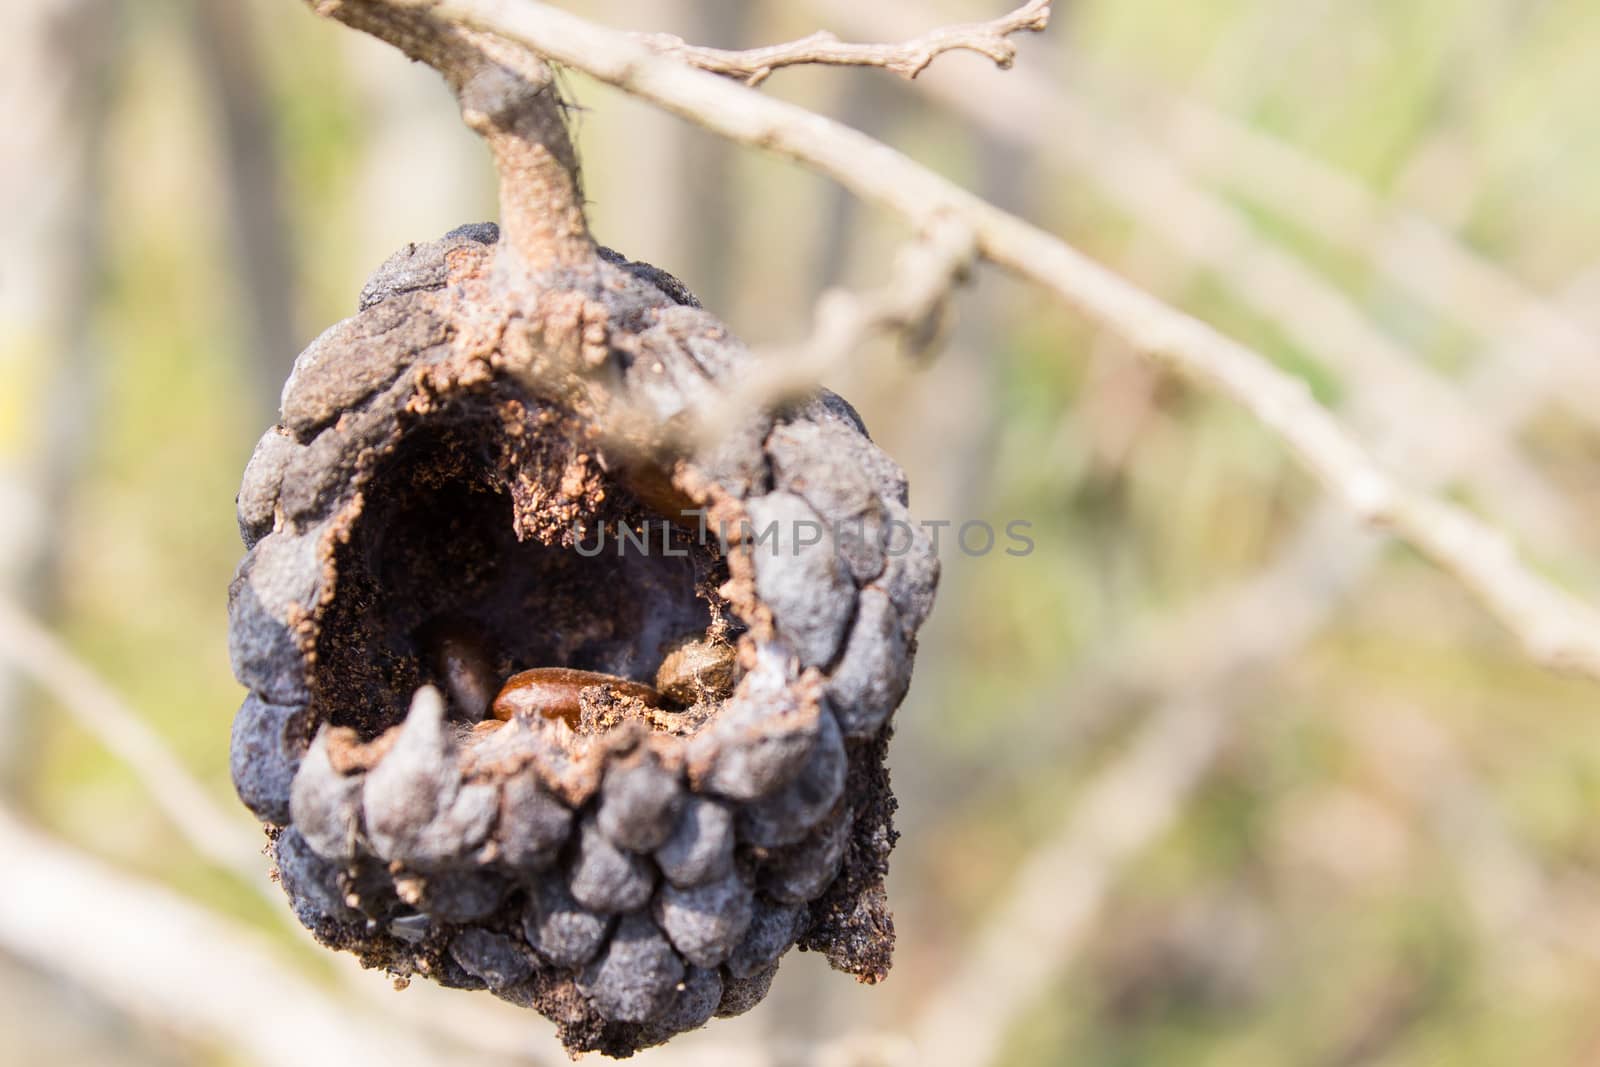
x=911 y=306
x=1555 y=628
x=222 y=837
x=224 y=989
x=1239 y=779
x=907 y=59
x=59 y=58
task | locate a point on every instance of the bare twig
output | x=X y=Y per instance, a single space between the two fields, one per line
x=228 y=50
x=911 y=304
x=1223 y=625
x=1061 y=887
x=1416 y=253
x=58 y=63
x=508 y=96
x=1554 y=627
x=149 y=952
x=1204 y=650
x=1031 y=109
x=222 y=839
x=907 y=59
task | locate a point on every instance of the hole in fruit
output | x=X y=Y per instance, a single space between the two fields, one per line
x=433 y=584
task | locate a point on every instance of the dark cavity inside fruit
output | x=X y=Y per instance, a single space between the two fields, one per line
x=433 y=544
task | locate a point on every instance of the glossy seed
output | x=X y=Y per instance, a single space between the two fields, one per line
x=554 y=693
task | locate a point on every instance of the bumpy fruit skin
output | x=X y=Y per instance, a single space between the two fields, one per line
x=443 y=462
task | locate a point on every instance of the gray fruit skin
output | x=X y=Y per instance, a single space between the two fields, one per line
x=705 y=923
x=559 y=929
x=912 y=572
x=421 y=268
x=639 y=804
x=739 y=995
x=608 y=880
x=787 y=815
x=533 y=826
x=325 y=806
x=495 y=959
x=635 y=978
x=276 y=581
x=418 y=812
x=693 y=1004
x=310 y=882
x=462 y=896
x=258 y=495
x=823 y=462
x=267 y=746
x=771 y=932
x=701 y=846
x=800 y=873
x=806 y=585
x=665 y=887
x=760 y=738
x=875 y=671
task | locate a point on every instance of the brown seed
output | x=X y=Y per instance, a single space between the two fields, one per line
x=554 y=692
x=697 y=669
x=464 y=666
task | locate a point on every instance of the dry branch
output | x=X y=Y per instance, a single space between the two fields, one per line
x=1061 y=887
x=907 y=59
x=1417 y=254
x=1203 y=651
x=911 y=304
x=1031 y=109
x=229 y=53
x=57 y=66
x=165 y=961
x=508 y=96
x=1555 y=628
x=221 y=838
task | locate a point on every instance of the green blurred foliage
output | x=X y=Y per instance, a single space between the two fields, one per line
x=1312 y=906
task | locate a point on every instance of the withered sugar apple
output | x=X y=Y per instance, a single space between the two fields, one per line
x=520 y=718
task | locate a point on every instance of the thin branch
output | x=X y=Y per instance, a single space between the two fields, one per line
x=907 y=59
x=61 y=56
x=1030 y=109
x=1253 y=625
x=911 y=304
x=1554 y=627
x=1062 y=886
x=1224 y=624
x=1049 y=912
x=166 y=961
x=1413 y=251
x=221 y=838
x=229 y=52
x=509 y=96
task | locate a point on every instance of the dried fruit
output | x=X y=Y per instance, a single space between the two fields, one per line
x=631 y=850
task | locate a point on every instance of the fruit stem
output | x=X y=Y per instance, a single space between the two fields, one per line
x=510 y=97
